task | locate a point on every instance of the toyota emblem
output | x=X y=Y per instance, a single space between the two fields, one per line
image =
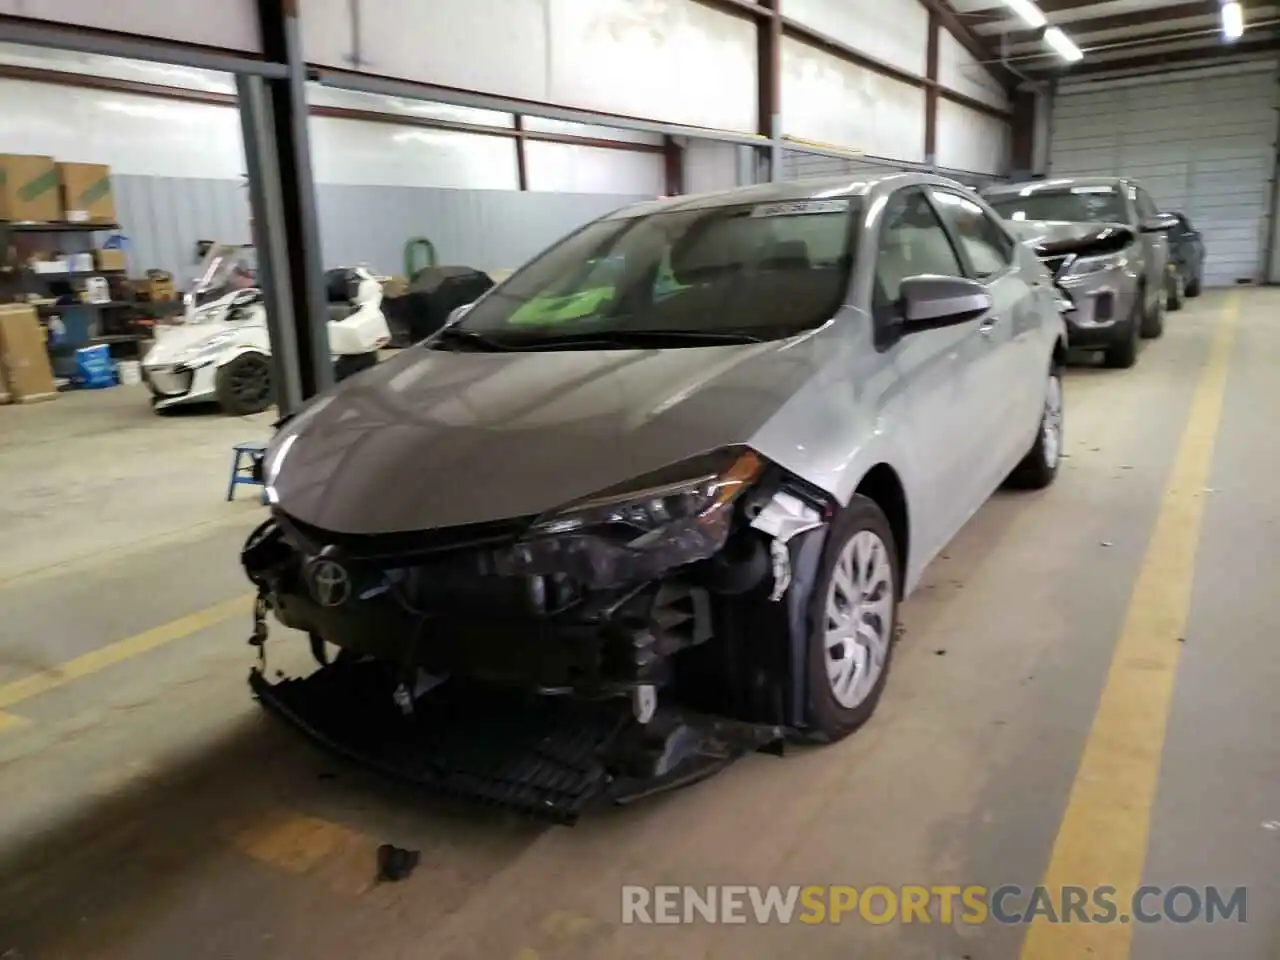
x=330 y=583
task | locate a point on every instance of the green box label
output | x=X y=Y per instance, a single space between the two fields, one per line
x=41 y=184
x=93 y=194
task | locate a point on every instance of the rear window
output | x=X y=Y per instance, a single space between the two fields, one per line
x=772 y=268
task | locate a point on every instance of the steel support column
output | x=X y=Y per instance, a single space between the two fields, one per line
x=931 y=92
x=267 y=203
x=298 y=230
x=769 y=84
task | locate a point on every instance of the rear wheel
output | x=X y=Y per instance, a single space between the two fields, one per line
x=1193 y=286
x=1040 y=466
x=853 y=613
x=244 y=385
x=1153 y=319
x=1177 y=292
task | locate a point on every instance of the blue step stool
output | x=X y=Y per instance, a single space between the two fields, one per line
x=243 y=458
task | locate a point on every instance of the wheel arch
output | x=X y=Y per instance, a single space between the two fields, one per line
x=882 y=485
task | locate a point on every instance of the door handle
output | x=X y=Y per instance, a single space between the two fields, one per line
x=988 y=325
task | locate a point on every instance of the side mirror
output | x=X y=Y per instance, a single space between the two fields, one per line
x=929 y=301
x=457 y=313
x=1159 y=223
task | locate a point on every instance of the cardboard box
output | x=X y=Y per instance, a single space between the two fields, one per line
x=109 y=259
x=86 y=192
x=23 y=354
x=29 y=188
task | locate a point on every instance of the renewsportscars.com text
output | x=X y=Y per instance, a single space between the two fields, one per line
x=1008 y=904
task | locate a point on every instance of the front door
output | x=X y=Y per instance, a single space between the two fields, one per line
x=1155 y=244
x=936 y=372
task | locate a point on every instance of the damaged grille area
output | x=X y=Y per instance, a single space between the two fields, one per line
x=548 y=757
x=1057 y=264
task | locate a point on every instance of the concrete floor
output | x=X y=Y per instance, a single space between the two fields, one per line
x=150 y=811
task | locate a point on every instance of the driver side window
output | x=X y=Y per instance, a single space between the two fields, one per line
x=912 y=242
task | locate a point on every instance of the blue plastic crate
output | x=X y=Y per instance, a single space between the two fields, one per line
x=94 y=369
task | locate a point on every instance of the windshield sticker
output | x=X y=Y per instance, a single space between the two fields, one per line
x=1103 y=189
x=793 y=208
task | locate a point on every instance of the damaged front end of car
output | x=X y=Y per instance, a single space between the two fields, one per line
x=622 y=644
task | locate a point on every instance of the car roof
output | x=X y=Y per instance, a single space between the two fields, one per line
x=823 y=188
x=1029 y=187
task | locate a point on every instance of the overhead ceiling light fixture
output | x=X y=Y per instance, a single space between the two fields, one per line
x=1028 y=11
x=1232 y=20
x=1062 y=45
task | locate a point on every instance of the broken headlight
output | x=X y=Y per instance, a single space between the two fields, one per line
x=637 y=531
x=1087 y=266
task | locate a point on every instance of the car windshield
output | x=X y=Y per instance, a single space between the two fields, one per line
x=1086 y=204
x=225 y=267
x=746 y=271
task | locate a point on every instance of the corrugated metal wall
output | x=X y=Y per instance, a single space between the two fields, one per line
x=163 y=217
x=1202 y=145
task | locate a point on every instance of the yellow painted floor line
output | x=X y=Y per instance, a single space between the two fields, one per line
x=1102 y=840
x=11 y=721
x=17 y=691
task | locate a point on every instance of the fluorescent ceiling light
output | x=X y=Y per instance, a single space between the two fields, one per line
x=1062 y=45
x=1232 y=20
x=1028 y=11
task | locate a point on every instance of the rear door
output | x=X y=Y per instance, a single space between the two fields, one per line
x=1008 y=377
x=1155 y=245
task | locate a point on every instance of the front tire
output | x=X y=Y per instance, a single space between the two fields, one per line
x=244 y=385
x=1124 y=354
x=853 y=615
x=1039 y=467
x=1193 y=287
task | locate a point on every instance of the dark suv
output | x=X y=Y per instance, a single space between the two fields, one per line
x=1104 y=240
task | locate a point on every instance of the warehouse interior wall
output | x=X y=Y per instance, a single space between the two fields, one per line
x=178 y=164
x=178 y=169
x=1202 y=142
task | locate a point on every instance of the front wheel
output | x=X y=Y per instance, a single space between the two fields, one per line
x=244 y=385
x=1040 y=466
x=853 y=613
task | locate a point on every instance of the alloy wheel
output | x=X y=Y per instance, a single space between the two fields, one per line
x=859 y=618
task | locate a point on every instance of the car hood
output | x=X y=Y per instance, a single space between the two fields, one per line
x=434 y=438
x=1036 y=232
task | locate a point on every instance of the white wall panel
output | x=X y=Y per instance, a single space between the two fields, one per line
x=959 y=71
x=358 y=151
x=135 y=135
x=672 y=60
x=139 y=71
x=969 y=140
x=498 y=46
x=545 y=125
x=232 y=24
x=710 y=166
x=830 y=101
x=568 y=168
x=321 y=95
x=895 y=31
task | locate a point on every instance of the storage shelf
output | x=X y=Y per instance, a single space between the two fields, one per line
x=72 y=274
x=26 y=226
